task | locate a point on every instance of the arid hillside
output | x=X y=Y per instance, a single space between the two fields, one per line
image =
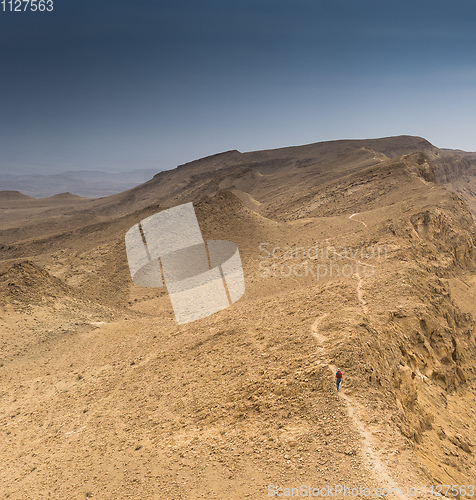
x=358 y=255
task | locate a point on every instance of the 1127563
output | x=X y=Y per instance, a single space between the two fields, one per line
x=27 y=5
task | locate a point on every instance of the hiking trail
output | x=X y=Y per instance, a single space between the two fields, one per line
x=357 y=220
x=356 y=412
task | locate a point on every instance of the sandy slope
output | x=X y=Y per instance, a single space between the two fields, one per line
x=103 y=395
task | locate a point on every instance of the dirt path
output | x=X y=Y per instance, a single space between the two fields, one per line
x=356 y=220
x=369 y=447
x=360 y=294
x=355 y=410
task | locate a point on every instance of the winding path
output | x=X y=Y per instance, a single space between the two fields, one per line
x=355 y=410
x=356 y=220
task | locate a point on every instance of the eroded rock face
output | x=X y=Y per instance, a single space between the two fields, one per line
x=406 y=386
x=453 y=238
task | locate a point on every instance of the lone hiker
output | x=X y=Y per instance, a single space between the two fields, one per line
x=338 y=378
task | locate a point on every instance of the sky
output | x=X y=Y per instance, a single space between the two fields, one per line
x=120 y=85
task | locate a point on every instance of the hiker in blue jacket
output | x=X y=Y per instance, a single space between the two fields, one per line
x=338 y=378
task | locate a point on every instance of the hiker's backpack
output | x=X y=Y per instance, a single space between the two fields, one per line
x=339 y=374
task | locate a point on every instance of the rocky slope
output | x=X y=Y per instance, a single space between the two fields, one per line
x=355 y=256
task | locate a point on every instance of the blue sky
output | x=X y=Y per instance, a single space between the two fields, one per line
x=152 y=84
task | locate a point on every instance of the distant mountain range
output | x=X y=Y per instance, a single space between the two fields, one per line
x=88 y=183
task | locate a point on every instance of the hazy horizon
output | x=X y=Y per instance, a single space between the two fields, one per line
x=112 y=87
x=48 y=171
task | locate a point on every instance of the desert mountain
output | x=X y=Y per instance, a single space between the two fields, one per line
x=356 y=254
x=86 y=183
